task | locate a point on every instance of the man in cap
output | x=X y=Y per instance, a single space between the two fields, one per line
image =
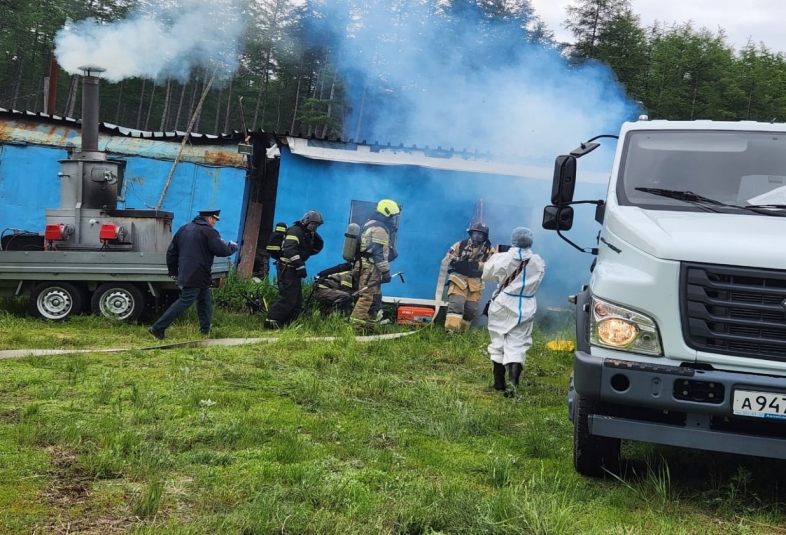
x=518 y=273
x=301 y=241
x=189 y=260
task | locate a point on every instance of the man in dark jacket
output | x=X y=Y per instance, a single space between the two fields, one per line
x=300 y=243
x=189 y=259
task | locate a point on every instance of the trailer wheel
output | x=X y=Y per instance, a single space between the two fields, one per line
x=120 y=300
x=593 y=455
x=55 y=301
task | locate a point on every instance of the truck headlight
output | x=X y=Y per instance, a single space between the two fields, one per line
x=617 y=327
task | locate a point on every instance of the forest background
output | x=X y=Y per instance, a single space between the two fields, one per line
x=292 y=79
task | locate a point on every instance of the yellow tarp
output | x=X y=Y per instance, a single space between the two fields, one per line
x=561 y=345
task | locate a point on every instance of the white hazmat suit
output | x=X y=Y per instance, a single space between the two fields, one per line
x=512 y=312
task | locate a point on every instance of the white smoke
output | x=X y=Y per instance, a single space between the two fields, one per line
x=157 y=42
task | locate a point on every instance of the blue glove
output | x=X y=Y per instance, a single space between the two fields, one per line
x=385 y=277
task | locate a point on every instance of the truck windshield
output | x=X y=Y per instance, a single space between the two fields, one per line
x=694 y=170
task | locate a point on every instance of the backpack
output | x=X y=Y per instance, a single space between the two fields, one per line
x=276 y=240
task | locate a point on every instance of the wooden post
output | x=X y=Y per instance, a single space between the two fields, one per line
x=248 y=252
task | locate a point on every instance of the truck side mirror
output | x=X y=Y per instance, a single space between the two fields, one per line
x=558 y=217
x=564 y=182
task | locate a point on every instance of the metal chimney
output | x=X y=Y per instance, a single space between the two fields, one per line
x=90 y=107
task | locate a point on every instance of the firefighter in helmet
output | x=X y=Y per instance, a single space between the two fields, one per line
x=376 y=253
x=301 y=241
x=464 y=283
x=333 y=289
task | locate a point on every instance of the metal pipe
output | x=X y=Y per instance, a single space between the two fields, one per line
x=90 y=108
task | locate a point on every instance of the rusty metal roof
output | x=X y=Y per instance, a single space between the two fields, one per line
x=63 y=132
x=114 y=130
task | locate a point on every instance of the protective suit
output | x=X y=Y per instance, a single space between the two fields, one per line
x=373 y=269
x=464 y=283
x=334 y=293
x=300 y=243
x=512 y=310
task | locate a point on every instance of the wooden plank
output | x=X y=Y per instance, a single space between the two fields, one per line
x=248 y=251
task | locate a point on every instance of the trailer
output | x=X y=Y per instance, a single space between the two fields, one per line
x=92 y=256
x=120 y=285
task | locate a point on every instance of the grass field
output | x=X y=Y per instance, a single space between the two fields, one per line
x=401 y=436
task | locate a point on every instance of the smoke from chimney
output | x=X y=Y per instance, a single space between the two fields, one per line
x=157 y=41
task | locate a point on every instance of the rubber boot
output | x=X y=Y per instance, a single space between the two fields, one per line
x=499 y=377
x=514 y=372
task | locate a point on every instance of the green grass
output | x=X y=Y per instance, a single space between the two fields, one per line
x=394 y=437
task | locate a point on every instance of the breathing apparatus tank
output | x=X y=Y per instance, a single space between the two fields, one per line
x=351 y=242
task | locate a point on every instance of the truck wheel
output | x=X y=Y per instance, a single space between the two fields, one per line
x=120 y=300
x=593 y=455
x=55 y=301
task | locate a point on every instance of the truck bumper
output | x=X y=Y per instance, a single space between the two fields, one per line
x=676 y=406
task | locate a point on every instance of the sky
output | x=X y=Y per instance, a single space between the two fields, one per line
x=761 y=20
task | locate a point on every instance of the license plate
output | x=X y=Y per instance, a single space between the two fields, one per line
x=760 y=404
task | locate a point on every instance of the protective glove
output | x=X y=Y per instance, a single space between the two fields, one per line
x=453 y=262
x=385 y=277
x=173 y=277
x=461 y=266
x=233 y=246
x=301 y=271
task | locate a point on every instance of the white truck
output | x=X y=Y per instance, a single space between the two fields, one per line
x=681 y=330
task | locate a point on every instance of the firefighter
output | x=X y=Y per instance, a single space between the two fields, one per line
x=373 y=268
x=301 y=241
x=189 y=260
x=464 y=283
x=518 y=273
x=333 y=289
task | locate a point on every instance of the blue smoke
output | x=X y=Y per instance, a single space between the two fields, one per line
x=448 y=74
x=455 y=76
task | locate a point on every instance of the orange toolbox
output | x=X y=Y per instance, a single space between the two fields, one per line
x=414 y=315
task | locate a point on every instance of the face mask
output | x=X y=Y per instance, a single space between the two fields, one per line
x=477 y=237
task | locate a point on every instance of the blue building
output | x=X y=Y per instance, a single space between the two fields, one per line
x=441 y=191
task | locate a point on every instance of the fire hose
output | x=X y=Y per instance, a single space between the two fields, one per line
x=21 y=353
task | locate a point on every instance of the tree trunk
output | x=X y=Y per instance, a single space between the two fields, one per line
x=278 y=106
x=268 y=54
x=229 y=108
x=141 y=103
x=360 y=112
x=119 y=103
x=330 y=106
x=72 y=96
x=218 y=113
x=297 y=102
x=180 y=106
x=256 y=108
x=150 y=107
x=193 y=98
x=167 y=98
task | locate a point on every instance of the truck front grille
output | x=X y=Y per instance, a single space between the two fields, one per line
x=734 y=310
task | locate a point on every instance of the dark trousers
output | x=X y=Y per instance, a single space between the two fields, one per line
x=204 y=301
x=290 y=296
